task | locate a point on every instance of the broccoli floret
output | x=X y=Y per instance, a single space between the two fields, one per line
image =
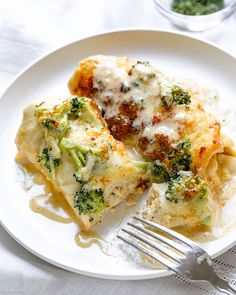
x=186 y=187
x=47 y=161
x=179 y=96
x=88 y=113
x=188 y=196
x=49 y=123
x=56 y=120
x=76 y=104
x=142 y=165
x=78 y=157
x=89 y=201
x=159 y=173
x=176 y=96
x=156 y=172
x=177 y=159
x=78 y=154
x=180 y=158
x=81 y=107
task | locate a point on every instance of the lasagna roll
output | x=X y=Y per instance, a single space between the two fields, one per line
x=167 y=124
x=145 y=109
x=69 y=143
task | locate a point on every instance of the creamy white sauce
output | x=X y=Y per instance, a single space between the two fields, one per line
x=110 y=75
x=179 y=116
x=149 y=108
x=142 y=70
x=168 y=128
x=165 y=86
x=145 y=85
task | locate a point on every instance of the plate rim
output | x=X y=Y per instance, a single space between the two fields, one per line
x=158 y=273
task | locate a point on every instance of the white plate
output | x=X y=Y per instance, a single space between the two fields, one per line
x=52 y=241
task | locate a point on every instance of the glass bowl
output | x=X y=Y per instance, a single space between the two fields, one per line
x=195 y=23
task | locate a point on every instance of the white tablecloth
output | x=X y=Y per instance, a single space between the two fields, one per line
x=29 y=29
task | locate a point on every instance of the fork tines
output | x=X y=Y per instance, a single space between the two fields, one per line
x=185 y=246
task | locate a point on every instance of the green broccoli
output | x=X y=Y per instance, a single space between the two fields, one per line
x=186 y=187
x=56 y=120
x=81 y=107
x=89 y=201
x=45 y=159
x=49 y=123
x=48 y=162
x=177 y=96
x=76 y=105
x=189 y=194
x=179 y=158
x=78 y=154
x=143 y=165
x=155 y=171
x=87 y=113
x=159 y=173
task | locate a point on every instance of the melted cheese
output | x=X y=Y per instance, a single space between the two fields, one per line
x=143 y=106
x=168 y=128
x=145 y=87
x=107 y=165
x=110 y=75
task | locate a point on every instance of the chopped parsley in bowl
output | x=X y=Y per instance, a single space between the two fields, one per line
x=197 y=7
x=195 y=15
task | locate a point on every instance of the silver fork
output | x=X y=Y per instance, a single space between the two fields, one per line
x=191 y=261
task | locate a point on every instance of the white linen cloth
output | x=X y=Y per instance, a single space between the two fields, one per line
x=29 y=29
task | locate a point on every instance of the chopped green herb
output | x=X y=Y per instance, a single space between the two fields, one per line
x=40 y=104
x=197 y=7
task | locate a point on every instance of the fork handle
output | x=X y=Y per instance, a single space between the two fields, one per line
x=223 y=286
